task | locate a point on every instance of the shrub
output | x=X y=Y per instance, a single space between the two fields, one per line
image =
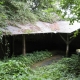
x=46 y=17
x=21 y=14
x=3 y=16
x=13 y=70
x=31 y=58
x=17 y=68
x=73 y=64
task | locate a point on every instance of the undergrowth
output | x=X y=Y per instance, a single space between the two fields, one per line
x=17 y=68
x=65 y=69
x=31 y=58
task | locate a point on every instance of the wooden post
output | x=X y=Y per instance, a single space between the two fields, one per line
x=67 y=43
x=4 y=43
x=67 y=46
x=13 y=47
x=24 y=45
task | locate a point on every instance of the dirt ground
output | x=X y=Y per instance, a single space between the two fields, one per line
x=47 y=61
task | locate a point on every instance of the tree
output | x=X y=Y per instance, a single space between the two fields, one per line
x=72 y=7
x=41 y=4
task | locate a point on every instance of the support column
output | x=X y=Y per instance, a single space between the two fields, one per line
x=67 y=41
x=4 y=44
x=13 y=47
x=67 y=45
x=24 y=45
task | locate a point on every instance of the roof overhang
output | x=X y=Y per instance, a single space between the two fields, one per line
x=41 y=27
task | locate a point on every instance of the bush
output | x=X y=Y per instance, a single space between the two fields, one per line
x=18 y=68
x=73 y=64
x=65 y=69
x=46 y=17
x=3 y=17
x=13 y=70
x=31 y=58
x=21 y=13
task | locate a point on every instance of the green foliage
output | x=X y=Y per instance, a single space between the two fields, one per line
x=3 y=16
x=31 y=58
x=41 y=55
x=65 y=69
x=71 y=9
x=15 y=11
x=73 y=64
x=46 y=17
x=13 y=70
x=1 y=36
x=16 y=68
x=76 y=33
x=25 y=11
x=74 y=8
x=19 y=12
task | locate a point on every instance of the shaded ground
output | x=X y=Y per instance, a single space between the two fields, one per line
x=47 y=61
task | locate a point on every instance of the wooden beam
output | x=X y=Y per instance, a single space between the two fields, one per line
x=63 y=38
x=24 y=45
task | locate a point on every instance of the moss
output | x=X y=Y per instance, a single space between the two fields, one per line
x=28 y=31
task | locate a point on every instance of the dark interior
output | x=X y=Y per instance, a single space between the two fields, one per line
x=37 y=42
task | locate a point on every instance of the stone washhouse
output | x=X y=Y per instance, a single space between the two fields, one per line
x=59 y=27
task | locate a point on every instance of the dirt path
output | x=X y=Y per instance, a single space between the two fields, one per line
x=47 y=61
